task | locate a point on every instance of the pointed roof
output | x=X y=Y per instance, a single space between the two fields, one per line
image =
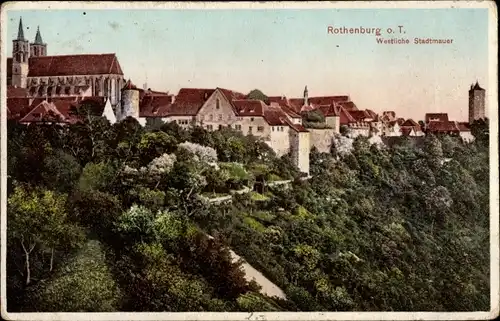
x=20 y=31
x=38 y=37
x=477 y=87
x=129 y=85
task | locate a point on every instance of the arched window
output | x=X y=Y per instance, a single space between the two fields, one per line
x=217 y=104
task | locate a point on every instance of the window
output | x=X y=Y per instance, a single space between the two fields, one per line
x=260 y=128
x=228 y=126
x=272 y=128
x=220 y=117
x=238 y=127
x=220 y=127
x=217 y=104
x=209 y=127
x=250 y=129
x=251 y=119
x=211 y=117
x=202 y=117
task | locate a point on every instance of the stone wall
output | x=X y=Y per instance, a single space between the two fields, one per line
x=321 y=139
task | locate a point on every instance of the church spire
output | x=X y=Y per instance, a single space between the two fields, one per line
x=306 y=97
x=38 y=37
x=20 y=31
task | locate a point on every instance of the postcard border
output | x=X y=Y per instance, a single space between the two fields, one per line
x=494 y=198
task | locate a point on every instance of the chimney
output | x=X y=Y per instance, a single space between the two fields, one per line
x=172 y=99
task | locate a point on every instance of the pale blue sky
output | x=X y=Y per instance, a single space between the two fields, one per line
x=281 y=50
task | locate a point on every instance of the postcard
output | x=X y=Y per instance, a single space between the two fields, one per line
x=249 y=160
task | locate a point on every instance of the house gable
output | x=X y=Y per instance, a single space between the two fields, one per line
x=217 y=109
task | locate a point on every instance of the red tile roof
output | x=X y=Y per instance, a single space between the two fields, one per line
x=152 y=105
x=249 y=107
x=280 y=100
x=64 y=107
x=327 y=100
x=348 y=105
x=409 y=123
x=231 y=94
x=442 y=127
x=329 y=110
x=68 y=65
x=129 y=85
x=275 y=116
x=189 y=101
x=360 y=115
x=18 y=107
x=290 y=112
x=44 y=111
x=16 y=92
x=443 y=117
x=345 y=116
x=463 y=126
x=373 y=114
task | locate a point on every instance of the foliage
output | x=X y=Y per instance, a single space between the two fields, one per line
x=402 y=228
x=313 y=116
x=85 y=285
x=258 y=95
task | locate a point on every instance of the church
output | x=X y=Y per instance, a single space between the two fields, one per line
x=32 y=73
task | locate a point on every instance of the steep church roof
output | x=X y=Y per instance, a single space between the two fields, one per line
x=71 y=65
x=38 y=37
x=20 y=31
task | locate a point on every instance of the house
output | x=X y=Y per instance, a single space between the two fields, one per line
x=217 y=108
x=411 y=128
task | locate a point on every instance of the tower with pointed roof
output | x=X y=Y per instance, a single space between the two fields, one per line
x=20 y=57
x=477 y=102
x=38 y=48
x=129 y=101
x=306 y=97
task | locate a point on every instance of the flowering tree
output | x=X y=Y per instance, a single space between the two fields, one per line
x=201 y=153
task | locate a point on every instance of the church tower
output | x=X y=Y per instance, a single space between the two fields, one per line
x=20 y=56
x=38 y=48
x=306 y=97
x=477 y=97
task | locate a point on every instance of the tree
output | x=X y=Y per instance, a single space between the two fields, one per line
x=314 y=116
x=60 y=171
x=154 y=144
x=38 y=222
x=85 y=284
x=258 y=95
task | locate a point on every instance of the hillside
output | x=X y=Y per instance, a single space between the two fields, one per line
x=116 y=218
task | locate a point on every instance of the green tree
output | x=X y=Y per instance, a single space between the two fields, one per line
x=38 y=222
x=85 y=284
x=258 y=95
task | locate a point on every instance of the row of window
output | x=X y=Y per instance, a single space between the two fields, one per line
x=221 y=117
x=237 y=127
x=278 y=129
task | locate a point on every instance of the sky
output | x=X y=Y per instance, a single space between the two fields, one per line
x=280 y=51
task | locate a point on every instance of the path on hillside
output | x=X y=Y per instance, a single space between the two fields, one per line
x=268 y=287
